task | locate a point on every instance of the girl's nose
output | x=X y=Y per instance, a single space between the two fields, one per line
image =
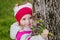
x=27 y=21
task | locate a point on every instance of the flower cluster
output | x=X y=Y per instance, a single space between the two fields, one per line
x=38 y=27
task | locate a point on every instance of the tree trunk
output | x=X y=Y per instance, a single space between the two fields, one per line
x=49 y=11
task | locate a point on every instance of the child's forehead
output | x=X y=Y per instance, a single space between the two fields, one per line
x=27 y=15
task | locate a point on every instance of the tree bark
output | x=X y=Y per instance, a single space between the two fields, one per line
x=49 y=11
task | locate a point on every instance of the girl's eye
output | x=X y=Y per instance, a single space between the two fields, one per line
x=24 y=18
x=30 y=18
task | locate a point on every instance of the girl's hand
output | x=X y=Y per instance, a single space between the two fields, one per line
x=45 y=33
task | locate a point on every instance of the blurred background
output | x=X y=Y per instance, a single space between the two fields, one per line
x=7 y=17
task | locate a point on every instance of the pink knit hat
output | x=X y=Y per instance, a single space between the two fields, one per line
x=21 y=10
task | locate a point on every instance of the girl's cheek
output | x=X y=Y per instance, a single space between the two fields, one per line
x=22 y=22
x=32 y=20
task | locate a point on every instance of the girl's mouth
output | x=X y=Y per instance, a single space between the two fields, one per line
x=28 y=25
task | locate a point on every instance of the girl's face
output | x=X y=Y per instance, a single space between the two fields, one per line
x=26 y=21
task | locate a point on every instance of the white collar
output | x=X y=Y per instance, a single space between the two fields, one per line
x=19 y=27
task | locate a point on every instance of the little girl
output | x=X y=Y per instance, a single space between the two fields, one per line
x=21 y=30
